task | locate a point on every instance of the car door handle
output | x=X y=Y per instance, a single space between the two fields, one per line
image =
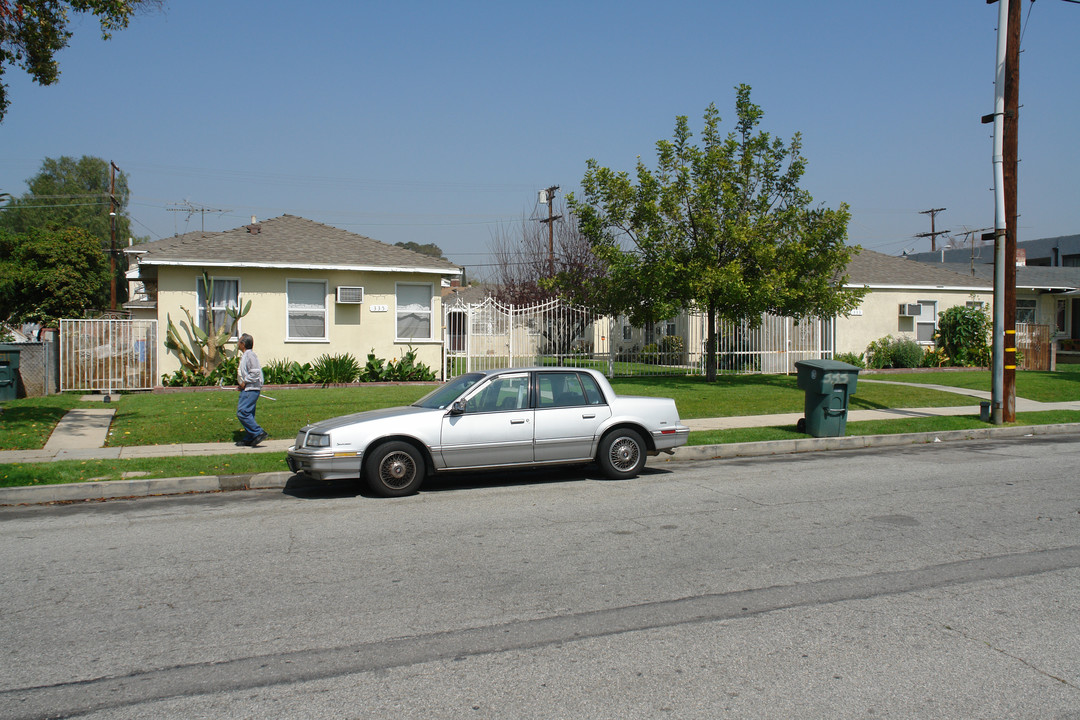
x=517 y=422
x=588 y=417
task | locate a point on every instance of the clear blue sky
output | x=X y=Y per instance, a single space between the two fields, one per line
x=436 y=121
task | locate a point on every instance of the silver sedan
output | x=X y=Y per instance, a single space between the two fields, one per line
x=494 y=419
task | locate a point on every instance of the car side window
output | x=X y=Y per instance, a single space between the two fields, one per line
x=560 y=389
x=592 y=390
x=502 y=393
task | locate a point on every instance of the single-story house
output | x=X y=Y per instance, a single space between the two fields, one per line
x=904 y=300
x=1047 y=278
x=314 y=290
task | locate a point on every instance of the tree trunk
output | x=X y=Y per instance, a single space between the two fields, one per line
x=710 y=345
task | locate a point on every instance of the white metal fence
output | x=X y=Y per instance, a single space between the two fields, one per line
x=491 y=334
x=108 y=354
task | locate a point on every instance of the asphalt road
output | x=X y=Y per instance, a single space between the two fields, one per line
x=934 y=581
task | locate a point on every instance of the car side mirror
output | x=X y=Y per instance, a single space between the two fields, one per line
x=458 y=408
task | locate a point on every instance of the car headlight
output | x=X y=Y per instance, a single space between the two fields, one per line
x=315 y=440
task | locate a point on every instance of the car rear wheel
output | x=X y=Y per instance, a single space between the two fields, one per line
x=394 y=469
x=621 y=454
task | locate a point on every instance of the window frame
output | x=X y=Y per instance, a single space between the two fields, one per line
x=289 y=337
x=398 y=337
x=1033 y=308
x=200 y=308
x=933 y=322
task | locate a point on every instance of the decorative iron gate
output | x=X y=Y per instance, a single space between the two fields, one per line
x=108 y=354
x=491 y=334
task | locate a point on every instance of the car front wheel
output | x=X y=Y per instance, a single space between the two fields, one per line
x=394 y=469
x=622 y=454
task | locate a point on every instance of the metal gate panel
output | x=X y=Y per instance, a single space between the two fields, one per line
x=108 y=354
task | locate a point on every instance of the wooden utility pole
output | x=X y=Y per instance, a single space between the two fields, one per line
x=933 y=233
x=1011 y=160
x=548 y=196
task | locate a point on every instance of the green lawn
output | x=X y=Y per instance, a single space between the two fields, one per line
x=27 y=423
x=73 y=471
x=1059 y=386
x=156 y=419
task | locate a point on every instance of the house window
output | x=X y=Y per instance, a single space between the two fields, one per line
x=225 y=294
x=1059 y=317
x=627 y=333
x=926 y=323
x=414 y=312
x=306 y=309
x=1025 y=311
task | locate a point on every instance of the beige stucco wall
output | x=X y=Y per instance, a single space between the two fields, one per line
x=879 y=315
x=356 y=329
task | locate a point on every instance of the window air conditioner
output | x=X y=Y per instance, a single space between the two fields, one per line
x=350 y=295
x=910 y=309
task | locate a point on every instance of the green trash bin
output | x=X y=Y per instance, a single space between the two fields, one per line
x=9 y=372
x=828 y=384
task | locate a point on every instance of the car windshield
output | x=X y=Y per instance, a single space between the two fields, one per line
x=441 y=397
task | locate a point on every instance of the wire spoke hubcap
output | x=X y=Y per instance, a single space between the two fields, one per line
x=624 y=453
x=397 y=469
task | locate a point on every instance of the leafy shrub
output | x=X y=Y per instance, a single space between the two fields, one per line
x=935 y=357
x=288 y=372
x=335 y=369
x=964 y=335
x=374 y=369
x=671 y=349
x=906 y=353
x=326 y=370
x=851 y=359
x=404 y=370
x=223 y=374
x=650 y=354
x=879 y=353
x=407 y=369
x=890 y=352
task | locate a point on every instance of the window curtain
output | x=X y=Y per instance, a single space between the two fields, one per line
x=414 y=311
x=226 y=294
x=307 y=309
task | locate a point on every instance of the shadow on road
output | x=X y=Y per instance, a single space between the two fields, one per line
x=305 y=488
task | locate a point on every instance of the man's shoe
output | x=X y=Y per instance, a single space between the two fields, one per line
x=241 y=443
x=258 y=439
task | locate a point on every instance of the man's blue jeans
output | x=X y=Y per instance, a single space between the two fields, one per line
x=245 y=413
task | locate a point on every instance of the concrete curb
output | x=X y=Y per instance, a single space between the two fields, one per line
x=855 y=442
x=115 y=489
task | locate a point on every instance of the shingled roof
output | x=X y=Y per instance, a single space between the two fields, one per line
x=1034 y=277
x=288 y=242
x=877 y=270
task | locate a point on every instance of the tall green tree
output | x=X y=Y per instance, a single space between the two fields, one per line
x=48 y=274
x=32 y=32
x=69 y=192
x=429 y=249
x=722 y=226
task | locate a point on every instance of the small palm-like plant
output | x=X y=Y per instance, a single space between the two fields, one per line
x=202 y=351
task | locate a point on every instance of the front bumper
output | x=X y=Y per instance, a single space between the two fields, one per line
x=324 y=464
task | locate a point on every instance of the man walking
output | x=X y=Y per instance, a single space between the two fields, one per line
x=249 y=379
